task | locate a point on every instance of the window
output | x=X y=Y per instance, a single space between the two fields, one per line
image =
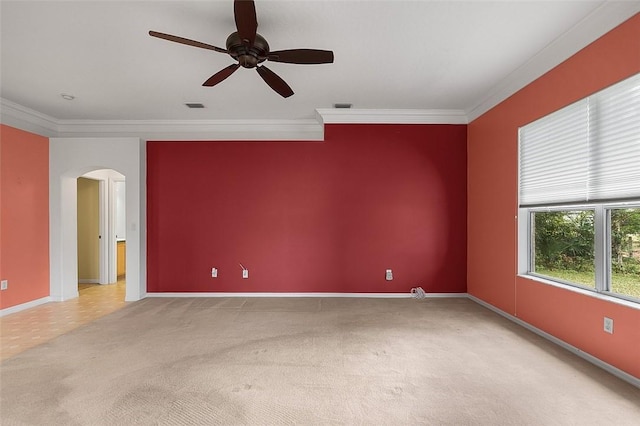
x=624 y=249
x=579 y=181
x=563 y=246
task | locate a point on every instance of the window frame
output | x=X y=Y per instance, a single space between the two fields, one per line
x=602 y=246
x=607 y=267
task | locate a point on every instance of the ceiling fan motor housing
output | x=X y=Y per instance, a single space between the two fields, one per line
x=249 y=56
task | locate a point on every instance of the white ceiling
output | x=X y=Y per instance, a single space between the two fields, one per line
x=463 y=56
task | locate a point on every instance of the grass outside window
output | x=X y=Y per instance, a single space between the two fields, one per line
x=564 y=248
x=625 y=284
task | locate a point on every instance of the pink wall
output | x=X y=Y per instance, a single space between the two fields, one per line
x=24 y=222
x=492 y=205
x=310 y=216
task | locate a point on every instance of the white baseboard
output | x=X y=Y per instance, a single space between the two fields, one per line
x=310 y=294
x=23 y=306
x=445 y=295
x=635 y=381
x=276 y=294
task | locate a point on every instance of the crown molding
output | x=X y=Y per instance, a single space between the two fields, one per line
x=196 y=130
x=24 y=118
x=21 y=117
x=391 y=116
x=600 y=21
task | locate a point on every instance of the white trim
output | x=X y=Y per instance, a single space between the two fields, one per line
x=64 y=297
x=310 y=294
x=195 y=130
x=444 y=296
x=635 y=381
x=391 y=116
x=600 y=21
x=23 y=306
x=228 y=130
x=27 y=119
x=276 y=294
x=103 y=217
x=20 y=117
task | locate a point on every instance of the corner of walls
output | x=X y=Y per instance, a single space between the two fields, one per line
x=142 y=212
x=24 y=216
x=491 y=211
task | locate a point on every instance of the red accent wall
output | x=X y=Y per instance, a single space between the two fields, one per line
x=493 y=196
x=310 y=216
x=24 y=216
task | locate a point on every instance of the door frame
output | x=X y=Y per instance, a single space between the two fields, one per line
x=70 y=158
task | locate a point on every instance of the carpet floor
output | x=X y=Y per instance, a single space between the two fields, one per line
x=264 y=361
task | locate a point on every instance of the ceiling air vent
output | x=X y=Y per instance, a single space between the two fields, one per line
x=342 y=106
x=194 y=105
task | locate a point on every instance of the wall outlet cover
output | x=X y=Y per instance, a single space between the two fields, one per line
x=388 y=275
x=4 y=284
x=608 y=325
x=245 y=273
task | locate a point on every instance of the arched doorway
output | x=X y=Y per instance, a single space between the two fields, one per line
x=71 y=158
x=101 y=228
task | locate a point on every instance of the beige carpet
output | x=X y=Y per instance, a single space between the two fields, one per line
x=308 y=361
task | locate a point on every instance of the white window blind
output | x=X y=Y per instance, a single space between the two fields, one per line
x=615 y=157
x=587 y=151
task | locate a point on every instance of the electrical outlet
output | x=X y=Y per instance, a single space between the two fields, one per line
x=388 y=275
x=4 y=284
x=245 y=271
x=214 y=273
x=608 y=325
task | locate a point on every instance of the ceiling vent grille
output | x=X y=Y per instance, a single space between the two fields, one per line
x=194 y=105
x=343 y=106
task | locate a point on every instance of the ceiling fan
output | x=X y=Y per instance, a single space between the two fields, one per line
x=250 y=49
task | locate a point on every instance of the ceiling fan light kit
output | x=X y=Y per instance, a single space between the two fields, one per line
x=250 y=49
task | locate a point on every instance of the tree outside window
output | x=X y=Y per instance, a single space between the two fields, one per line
x=564 y=243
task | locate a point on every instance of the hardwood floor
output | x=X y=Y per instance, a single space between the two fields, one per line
x=32 y=327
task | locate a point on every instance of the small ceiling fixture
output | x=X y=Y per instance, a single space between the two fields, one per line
x=67 y=97
x=194 y=105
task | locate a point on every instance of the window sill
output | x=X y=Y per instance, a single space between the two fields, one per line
x=590 y=293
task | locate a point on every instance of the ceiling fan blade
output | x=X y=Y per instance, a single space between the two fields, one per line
x=275 y=82
x=302 y=56
x=186 y=41
x=221 y=75
x=246 y=20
